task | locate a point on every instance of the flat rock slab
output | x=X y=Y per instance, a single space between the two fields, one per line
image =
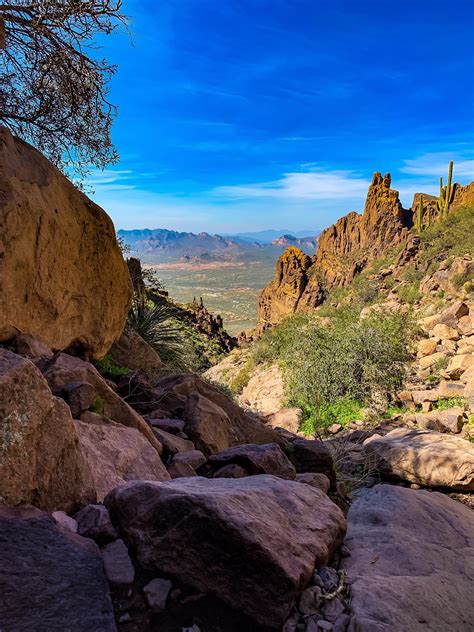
x=251 y=542
x=411 y=566
x=50 y=578
x=425 y=457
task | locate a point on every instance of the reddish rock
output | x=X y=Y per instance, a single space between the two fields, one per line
x=411 y=560
x=63 y=274
x=312 y=456
x=93 y=521
x=30 y=346
x=171 y=443
x=212 y=421
x=180 y=469
x=230 y=471
x=50 y=578
x=41 y=460
x=320 y=481
x=116 y=454
x=195 y=458
x=256 y=459
x=301 y=284
x=244 y=540
x=132 y=352
x=64 y=369
x=425 y=457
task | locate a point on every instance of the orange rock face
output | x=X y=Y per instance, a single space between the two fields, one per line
x=62 y=275
x=344 y=249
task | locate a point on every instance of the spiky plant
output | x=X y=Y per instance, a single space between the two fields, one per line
x=157 y=324
x=446 y=194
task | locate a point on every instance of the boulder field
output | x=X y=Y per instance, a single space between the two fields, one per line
x=156 y=503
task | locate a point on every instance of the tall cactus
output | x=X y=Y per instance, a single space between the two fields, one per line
x=446 y=194
x=419 y=215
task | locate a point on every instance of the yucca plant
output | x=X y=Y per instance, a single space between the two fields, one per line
x=157 y=324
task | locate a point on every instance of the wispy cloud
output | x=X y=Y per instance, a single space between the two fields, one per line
x=436 y=164
x=111 y=180
x=317 y=184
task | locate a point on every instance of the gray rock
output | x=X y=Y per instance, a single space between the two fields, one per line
x=230 y=471
x=50 y=578
x=94 y=522
x=156 y=593
x=268 y=458
x=66 y=521
x=173 y=426
x=180 y=469
x=310 y=600
x=412 y=560
x=194 y=458
x=117 y=564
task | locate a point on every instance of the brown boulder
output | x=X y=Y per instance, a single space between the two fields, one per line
x=132 y=352
x=64 y=369
x=312 y=456
x=244 y=540
x=117 y=454
x=264 y=392
x=286 y=418
x=41 y=460
x=256 y=459
x=425 y=457
x=213 y=422
x=63 y=274
x=30 y=346
x=411 y=560
x=50 y=578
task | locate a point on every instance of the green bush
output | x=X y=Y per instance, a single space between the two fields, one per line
x=240 y=381
x=452 y=237
x=350 y=360
x=107 y=367
x=452 y=402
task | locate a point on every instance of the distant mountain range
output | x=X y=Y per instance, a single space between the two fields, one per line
x=267 y=236
x=160 y=245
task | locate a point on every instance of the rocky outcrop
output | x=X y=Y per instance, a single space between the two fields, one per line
x=41 y=460
x=344 y=249
x=425 y=457
x=63 y=370
x=50 y=578
x=256 y=459
x=212 y=420
x=245 y=541
x=410 y=563
x=62 y=273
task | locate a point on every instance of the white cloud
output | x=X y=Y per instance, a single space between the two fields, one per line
x=305 y=185
x=111 y=180
x=436 y=165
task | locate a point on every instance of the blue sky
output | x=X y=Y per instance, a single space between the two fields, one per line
x=239 y=115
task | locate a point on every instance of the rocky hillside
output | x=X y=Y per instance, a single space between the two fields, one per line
x=345 y=249
x=136 y=501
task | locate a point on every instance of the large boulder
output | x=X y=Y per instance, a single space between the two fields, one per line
x=41 y=459
x=425 y=457
x=264 y=392
x=117 y=454
x=50 y=578
x=251 y=542
x=62 y=273
x=212 y=420
x=256 y=459
x=132 y=352
x=411 y=561
x=64 y=369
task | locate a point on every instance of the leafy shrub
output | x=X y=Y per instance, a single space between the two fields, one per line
x=454 y=236
x=240 y=381
x=460 y=279
x=452 y=402
x=107 y=367
x=328 y=368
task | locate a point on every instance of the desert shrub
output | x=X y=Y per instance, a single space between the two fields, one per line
x=240 y=381
x=452 y=237
x=107 y=367
x=350 y=360
x=460 y=279
x=451 y=402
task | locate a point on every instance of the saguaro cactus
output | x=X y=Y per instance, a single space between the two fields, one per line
x=446 y=194
x=419 y=215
